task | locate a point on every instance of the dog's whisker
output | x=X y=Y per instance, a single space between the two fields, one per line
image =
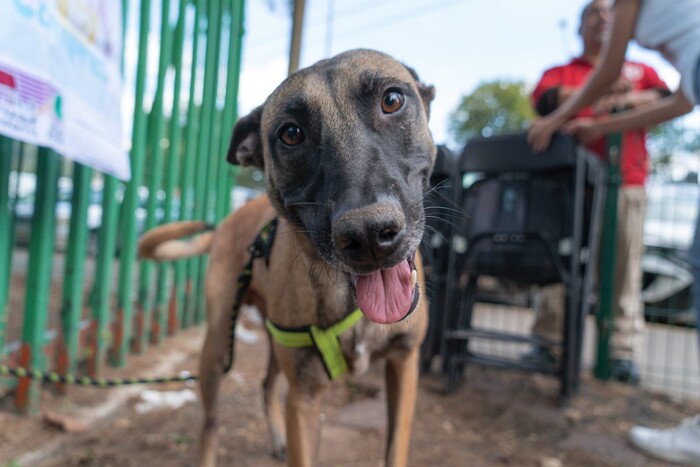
x=453 y=225
x=436 y=193
x=431 y=229
x=458 y=213
x=445 y=201
x=435 y=187
x=291 y=265
x=291 y=231
x=308 y=203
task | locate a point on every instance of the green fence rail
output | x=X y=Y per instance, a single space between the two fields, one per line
x=85 y=299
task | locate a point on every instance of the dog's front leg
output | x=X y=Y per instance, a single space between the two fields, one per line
x=273 y=409
x=303 y=423
x=211 y=372
x=307 y=381
x=401 y=390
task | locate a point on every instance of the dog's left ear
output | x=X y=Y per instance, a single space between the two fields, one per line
x=246 y=148
x=427 y=91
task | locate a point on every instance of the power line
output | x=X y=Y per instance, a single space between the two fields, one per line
x=378 y=24
x=342 y=15
x=407 y=14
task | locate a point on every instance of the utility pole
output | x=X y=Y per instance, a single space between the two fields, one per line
x=297 y=27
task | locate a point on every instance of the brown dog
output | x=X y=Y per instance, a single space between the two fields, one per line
x=347 y=156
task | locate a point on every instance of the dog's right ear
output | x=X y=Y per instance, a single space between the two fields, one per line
x=246 y=147
x=427 y=91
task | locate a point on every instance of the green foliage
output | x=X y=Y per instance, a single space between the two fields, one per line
x=494 y=108
x=670 y=140
x=672 y=137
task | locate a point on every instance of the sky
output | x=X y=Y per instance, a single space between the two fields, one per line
x=452 y=44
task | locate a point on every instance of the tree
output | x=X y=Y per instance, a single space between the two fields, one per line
x=494 y=108
x=670 y=142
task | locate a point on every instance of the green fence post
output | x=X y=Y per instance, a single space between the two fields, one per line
x=6 y=227
x=167 y=321
x=217 y=164
x=39 y=276
x=204 y=169
x=100 y=336
x=74 y=271
x=155 y=175
x=227 y=180
x=218 y=167
x=17 y=158
x=125 y=305
x=605 y=319
x=184 y=270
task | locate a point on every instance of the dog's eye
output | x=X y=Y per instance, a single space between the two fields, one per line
x=291 y=135
x=392 y=102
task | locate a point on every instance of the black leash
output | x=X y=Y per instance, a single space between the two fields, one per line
x=261 y=248
x=53 y=377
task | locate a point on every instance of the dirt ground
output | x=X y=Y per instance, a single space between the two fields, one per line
x=497 y=417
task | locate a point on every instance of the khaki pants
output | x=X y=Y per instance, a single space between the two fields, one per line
x=628 y=309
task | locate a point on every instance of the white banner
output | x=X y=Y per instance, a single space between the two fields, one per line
x=60 y=78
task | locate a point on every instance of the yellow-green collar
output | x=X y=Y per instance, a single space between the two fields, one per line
x=326 y=341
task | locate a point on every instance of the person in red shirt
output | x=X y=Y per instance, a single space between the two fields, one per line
x=637 y=85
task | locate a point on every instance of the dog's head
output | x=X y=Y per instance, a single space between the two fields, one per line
x=347 y=157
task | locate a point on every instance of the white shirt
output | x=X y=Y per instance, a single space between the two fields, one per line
x=672 y=27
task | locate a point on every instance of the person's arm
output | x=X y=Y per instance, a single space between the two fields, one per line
x=648 y=88
x=628 y=100
x=657 y=112
x=552 y=98
x=605 y=73
x=565 y=92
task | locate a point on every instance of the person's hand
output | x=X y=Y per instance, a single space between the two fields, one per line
x=540 y=133
x=585 y=129
x=620 y=86
x=610 y=102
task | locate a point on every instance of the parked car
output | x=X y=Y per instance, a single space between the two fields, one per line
x=23 y=194
x=669 y=226
x=23 y=191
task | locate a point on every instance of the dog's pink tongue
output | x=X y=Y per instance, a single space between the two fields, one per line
x=385 y=296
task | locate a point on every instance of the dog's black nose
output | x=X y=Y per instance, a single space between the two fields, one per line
x=370 y=234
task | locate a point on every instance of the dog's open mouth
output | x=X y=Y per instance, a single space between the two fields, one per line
x=388 y=295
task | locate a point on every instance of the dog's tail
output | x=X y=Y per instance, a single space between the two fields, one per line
x=162 y=243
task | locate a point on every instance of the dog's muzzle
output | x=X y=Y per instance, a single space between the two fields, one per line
x=370 y=242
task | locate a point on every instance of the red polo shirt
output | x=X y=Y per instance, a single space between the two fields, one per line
x=634 y=162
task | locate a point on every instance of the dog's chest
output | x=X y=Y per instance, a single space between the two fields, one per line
x=357 y=353
x=368 y=341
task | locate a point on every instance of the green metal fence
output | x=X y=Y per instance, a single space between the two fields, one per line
x=71 y=289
